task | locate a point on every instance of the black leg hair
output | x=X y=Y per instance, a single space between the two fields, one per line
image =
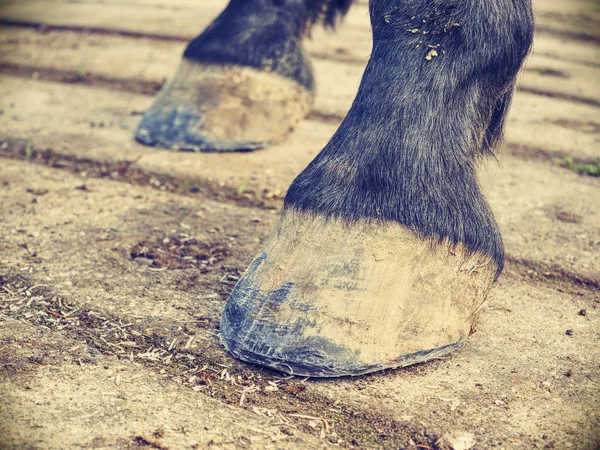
x=433 y=97
x=265 y=34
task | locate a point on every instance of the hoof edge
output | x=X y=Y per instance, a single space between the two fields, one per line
x=336 y=368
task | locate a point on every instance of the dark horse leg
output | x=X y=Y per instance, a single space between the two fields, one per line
x=386 y=248
x=244 y=83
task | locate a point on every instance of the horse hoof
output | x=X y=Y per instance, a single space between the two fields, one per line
x=223 y=108
x=329 y=298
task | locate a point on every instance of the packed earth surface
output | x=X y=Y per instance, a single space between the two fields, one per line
x=116 y=259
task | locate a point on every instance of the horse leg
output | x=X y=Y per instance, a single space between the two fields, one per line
x=386 y=248
x=243 y=83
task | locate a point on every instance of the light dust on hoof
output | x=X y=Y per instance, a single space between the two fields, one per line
x=223 y=108
x=328 y=298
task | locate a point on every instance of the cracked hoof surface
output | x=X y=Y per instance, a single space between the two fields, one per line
x=210 y=108
x=326 y=298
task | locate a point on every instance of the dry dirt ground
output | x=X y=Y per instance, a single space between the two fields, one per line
x=116 y=259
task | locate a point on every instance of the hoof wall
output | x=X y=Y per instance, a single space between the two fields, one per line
x=329 y=299
x=210 y=108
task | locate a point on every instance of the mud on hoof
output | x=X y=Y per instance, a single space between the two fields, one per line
x=211 y=108
x=330 y=298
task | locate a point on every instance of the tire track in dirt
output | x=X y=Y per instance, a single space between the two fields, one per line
x=566 y=97
x=40 y=26
x=592 y=64
x=568 y=34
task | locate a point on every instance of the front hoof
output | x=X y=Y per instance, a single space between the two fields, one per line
x=213 y=108
x=327 y=298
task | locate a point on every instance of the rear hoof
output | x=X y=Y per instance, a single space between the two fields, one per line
x=327 y=298
x=212 y=108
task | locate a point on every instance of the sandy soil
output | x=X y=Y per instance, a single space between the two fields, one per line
x=116 y=259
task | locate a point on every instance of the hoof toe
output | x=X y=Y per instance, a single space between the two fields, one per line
x=210 y=108
x=328 y=299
